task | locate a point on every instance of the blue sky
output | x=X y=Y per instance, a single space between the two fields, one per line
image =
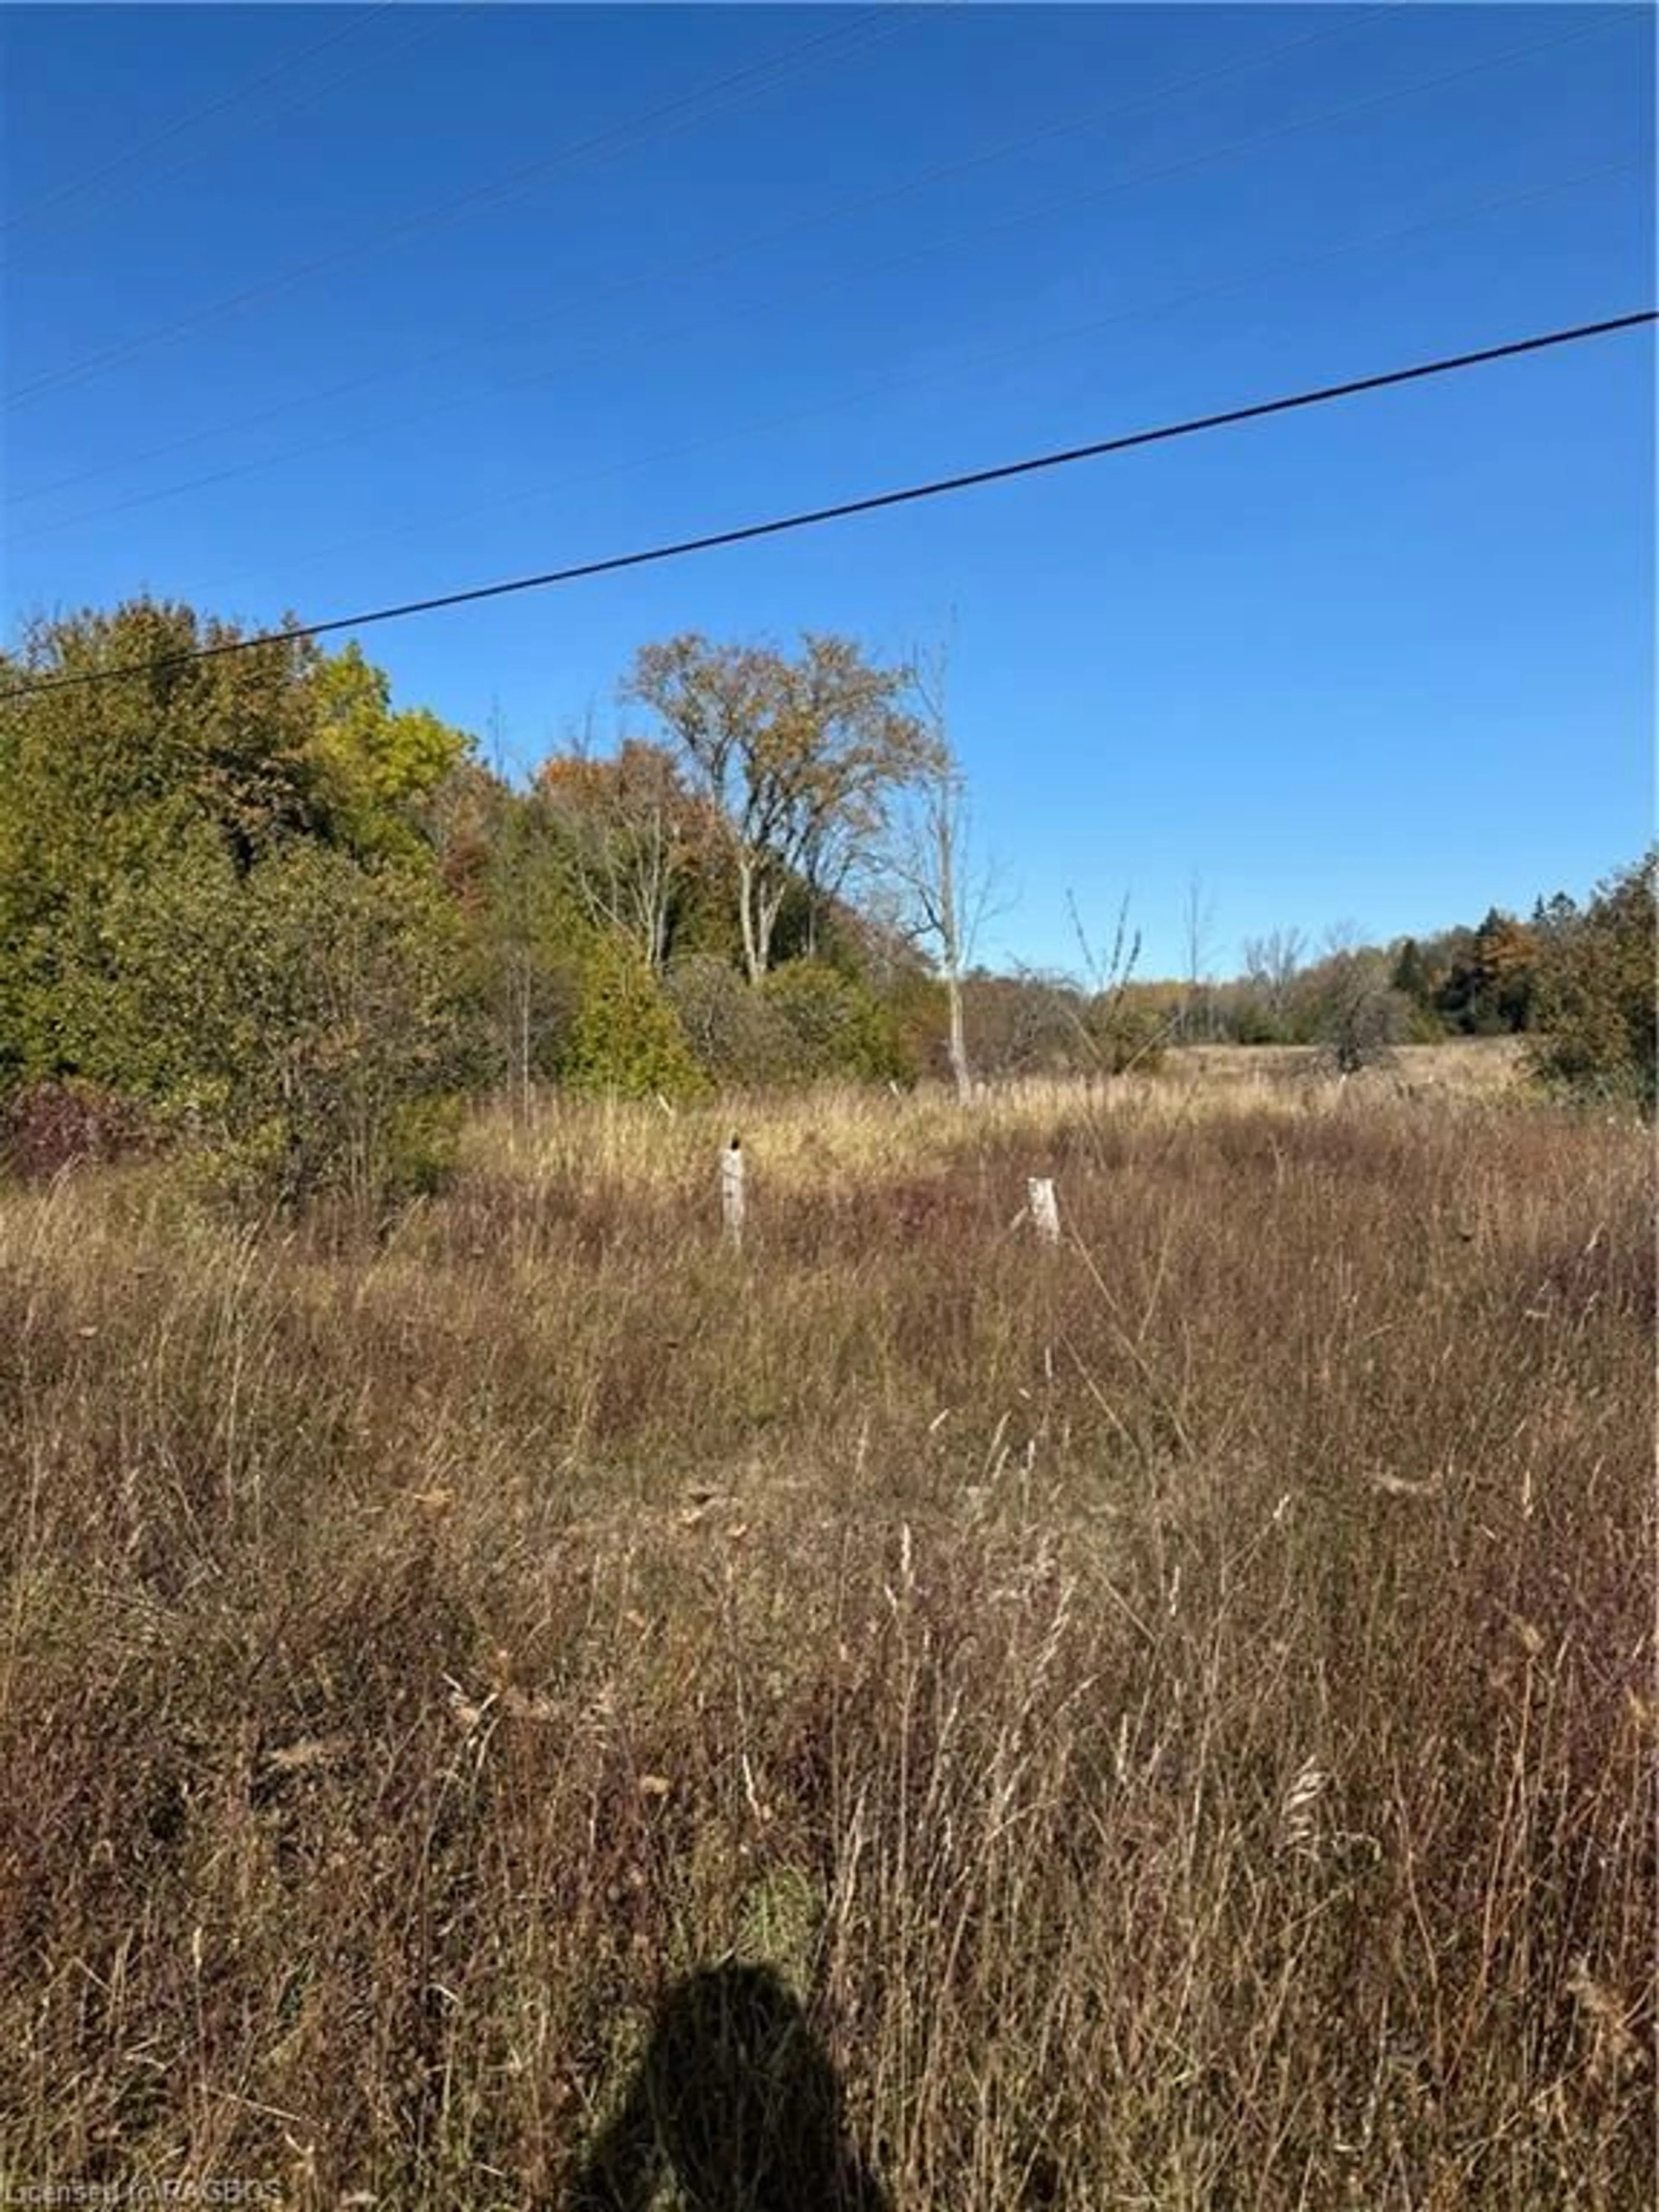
x=320 y=309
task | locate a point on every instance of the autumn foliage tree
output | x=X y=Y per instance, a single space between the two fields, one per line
x=798 y=761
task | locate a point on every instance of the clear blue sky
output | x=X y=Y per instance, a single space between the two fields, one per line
x=325 y=307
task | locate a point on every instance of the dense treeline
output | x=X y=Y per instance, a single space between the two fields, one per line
x=246 y=898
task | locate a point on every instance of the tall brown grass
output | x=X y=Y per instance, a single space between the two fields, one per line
x=1178 y=1710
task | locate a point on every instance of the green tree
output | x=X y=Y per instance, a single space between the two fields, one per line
x=1413 y=978
x=1595 y=1010
x=216 y=897
x=529 y=938
x=626 y=1037
x=376 y=765
x=122 y=735
x=110 y=720
x=304 y=1024
x=100 y=779
x=367 y=1037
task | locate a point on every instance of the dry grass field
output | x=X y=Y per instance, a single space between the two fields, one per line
x=1175 y=1712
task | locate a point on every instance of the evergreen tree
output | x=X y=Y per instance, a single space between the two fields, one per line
x=626 y=1037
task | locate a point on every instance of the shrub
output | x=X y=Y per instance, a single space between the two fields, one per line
x=833 y=1026
x=627 y=1037
x=807 y=1022
x=49 y=1125
x=738 y=1035
x=1123 y=1030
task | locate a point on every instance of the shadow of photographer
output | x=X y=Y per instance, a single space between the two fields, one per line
x=737 y=2100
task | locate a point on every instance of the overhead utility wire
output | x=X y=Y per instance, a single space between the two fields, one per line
x=863 y=28
x=872 y=502
x=679 y=266
x=1043 y=342
x=388 y=425
x=32 y=211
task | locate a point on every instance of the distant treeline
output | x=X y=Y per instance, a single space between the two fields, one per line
x=246 y=902
x=1503 y=976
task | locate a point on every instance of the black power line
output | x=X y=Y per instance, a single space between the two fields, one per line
x=871 y=26
x=1042 y=342
x=680 y=267
x=810 y=518
x=1043 y=212
x=32 y=211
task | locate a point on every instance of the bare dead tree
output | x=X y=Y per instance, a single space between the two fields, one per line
x=625 y=823
x=944 y=893
x=1197 y=929
x=1272 y=961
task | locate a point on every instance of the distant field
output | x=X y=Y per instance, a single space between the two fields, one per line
x=1174 y=1711
x=1464 y=1068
